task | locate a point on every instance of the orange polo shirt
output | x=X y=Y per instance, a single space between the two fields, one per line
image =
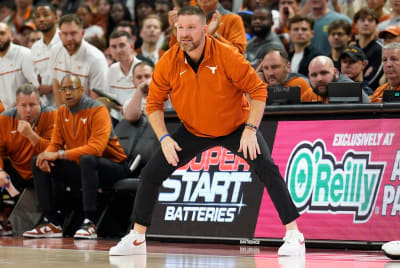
x=85 y=129
x=310 y=96
x=211 y=102
x=378 y=93
x=18 y=148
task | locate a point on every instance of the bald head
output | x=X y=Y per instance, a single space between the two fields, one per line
x=321 y=71
x=5 y=37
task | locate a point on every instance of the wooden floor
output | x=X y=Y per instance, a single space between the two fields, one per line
x=67 y=252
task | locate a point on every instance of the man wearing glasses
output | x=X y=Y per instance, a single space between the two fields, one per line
x=83 y=153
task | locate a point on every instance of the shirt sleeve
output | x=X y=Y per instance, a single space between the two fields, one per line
x=243 y=76
x=45 y=134
x=98 y=74
x=27 y=68
x=159 y=86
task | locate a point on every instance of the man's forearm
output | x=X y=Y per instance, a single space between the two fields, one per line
x=256 y=112
x=157 y=122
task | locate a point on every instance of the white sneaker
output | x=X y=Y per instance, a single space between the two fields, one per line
x=294 y=244
x=131 y=244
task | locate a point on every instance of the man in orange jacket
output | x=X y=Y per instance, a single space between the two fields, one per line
x=206 y=81
x=25 y=132
x=83 y=153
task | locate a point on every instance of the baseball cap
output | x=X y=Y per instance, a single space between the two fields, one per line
x=393 y=29
x=354 y=52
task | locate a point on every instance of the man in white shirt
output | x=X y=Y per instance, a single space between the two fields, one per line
x=150 y=34
x=46 y=22
x=119 y=74
x=16 y=67
x=77 y=57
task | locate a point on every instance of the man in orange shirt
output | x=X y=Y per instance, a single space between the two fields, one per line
x=92 y=158
x=206 y=81
x=25 y=132
x=391 y=69
x=275 y=71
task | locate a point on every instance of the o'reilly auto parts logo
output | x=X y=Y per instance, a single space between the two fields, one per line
x=319 y=183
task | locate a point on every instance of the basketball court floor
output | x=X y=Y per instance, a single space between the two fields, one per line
x=67 y=252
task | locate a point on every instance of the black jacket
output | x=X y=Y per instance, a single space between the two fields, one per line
x=310 y=52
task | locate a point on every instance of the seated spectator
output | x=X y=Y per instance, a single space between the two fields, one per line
x=16 y=67
x=162 y=7
x=339 y=37
x=301 y=33
x=353 y=62
x=118 y=12
x=395 y=16
x=366 y=21
x=128 y=27
x=101 y=17
x=287 y=9
x=323 y=16
x=321 y=72
x=150 y=34
x=90 y=29
x=119 y=75
x=391 y=68
x=246 y=16
x=275 y=71
x=34 y=36
x=135 y=106
x=143 y=8
x=263 y=39
x=30 y=125
x=46 y=22
x=390 y=35
x=92 y=158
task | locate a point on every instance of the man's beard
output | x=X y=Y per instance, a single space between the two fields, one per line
x=324 y=91
x=262 y=31
x=5 y=46
x=48 y=29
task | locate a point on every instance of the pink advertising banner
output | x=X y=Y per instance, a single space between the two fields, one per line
x=343 y=176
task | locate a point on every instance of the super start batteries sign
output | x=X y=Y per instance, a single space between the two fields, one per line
x=215 y=194
x=343 y=177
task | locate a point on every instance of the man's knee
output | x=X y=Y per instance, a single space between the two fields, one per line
x=87 y=160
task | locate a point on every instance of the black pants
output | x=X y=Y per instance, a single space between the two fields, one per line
x=91 y=173
x=157 y=170
x=19 y=183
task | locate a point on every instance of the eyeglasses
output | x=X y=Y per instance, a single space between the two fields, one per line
x=70 y=88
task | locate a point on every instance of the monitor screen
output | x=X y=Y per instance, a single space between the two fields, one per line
x=344 y=92
x=391 y=96
x=280 y=95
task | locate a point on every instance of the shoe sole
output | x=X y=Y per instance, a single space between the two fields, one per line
x=43 y=236
x=6 y=233
x=85 y=236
